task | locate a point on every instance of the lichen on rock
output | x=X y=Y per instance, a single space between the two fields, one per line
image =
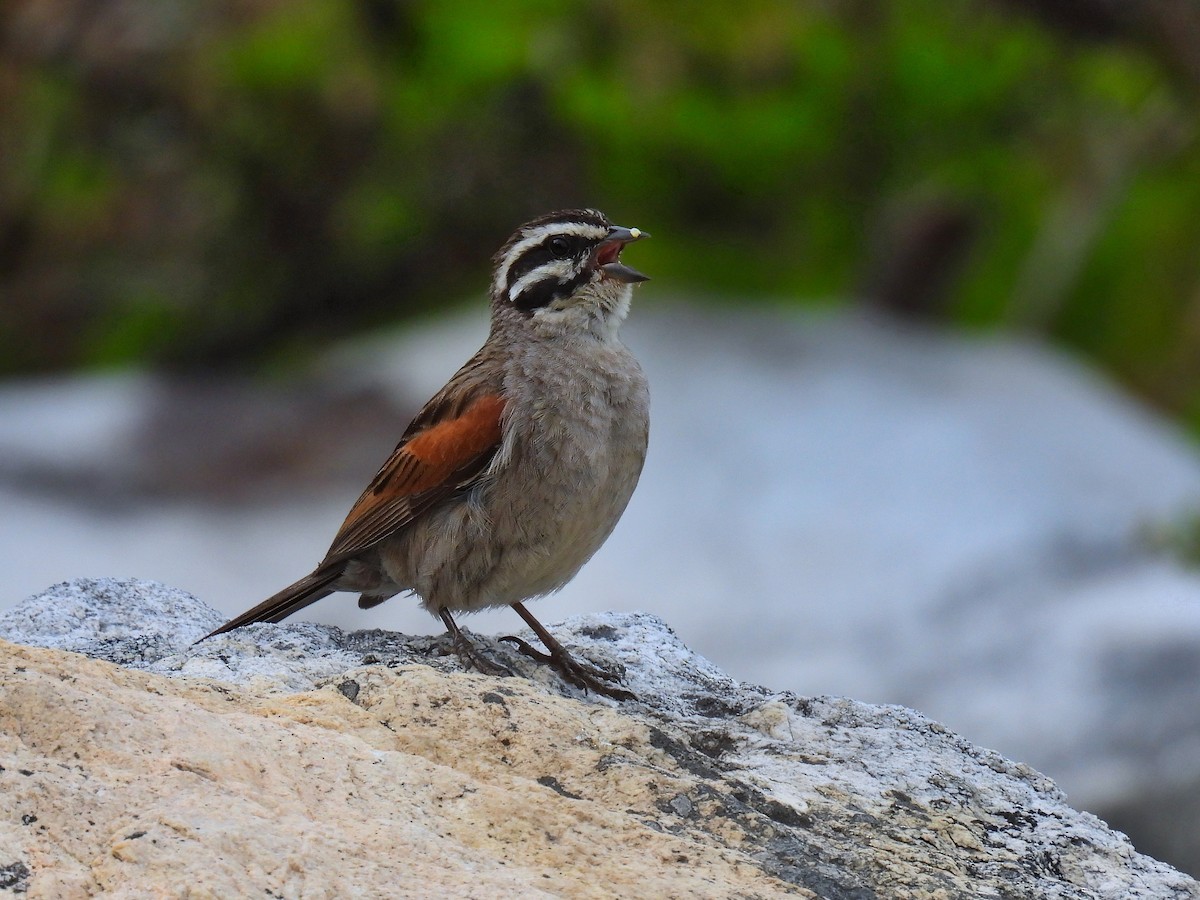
x=297 y=760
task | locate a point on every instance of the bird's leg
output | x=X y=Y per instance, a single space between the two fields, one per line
x=578 y=674
x=470 y=655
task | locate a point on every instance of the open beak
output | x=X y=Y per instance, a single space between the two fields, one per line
x=608 y=255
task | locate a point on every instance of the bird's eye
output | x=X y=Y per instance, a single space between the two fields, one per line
x=560 y=247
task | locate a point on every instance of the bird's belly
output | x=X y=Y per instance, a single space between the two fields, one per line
x=524 y=534
x=545 y=536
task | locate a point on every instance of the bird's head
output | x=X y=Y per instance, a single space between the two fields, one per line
x=565 y=268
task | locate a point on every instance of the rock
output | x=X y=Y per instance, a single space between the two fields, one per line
x=280 y=773
x=831 y=505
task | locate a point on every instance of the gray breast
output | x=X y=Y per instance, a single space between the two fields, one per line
x=575 y=462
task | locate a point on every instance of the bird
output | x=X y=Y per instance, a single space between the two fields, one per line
x=515 y=473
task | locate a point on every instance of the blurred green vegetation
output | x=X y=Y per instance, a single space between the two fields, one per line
x=221 y=183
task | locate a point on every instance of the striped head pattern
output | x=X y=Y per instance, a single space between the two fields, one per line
x=555 y=257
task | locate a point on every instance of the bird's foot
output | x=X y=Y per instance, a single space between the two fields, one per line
x=468 y=653
x=585 y=677
x=473 y=658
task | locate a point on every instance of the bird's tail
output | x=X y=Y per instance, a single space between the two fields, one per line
x=292 y=598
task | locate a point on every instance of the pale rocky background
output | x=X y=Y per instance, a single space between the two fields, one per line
x=831 y=505
x=298 y=760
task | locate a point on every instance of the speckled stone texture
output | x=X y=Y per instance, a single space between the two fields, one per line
x=297 y=760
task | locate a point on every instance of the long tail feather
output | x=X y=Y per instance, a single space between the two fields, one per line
x=278 y=607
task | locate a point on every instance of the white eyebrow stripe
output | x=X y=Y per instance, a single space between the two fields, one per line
x=536 y=235
x=563 y=268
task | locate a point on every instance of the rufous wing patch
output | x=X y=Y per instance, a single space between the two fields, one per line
x=445 y=448
x=429 y=465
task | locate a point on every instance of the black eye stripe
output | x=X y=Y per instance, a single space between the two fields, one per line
x=574 y=233
x=576 y=248
x=544 y=292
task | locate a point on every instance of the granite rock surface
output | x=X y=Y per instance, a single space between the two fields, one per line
x=298 y=760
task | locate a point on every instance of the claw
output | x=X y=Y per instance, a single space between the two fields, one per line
x=583 y=676
x=468 y=653
x=527 y=649
x=472 y=658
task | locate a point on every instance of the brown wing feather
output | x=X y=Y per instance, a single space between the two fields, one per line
x=447 y=446
x=277 y=607
x=434 y=459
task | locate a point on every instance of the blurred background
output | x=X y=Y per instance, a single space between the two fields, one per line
x=924 y=329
